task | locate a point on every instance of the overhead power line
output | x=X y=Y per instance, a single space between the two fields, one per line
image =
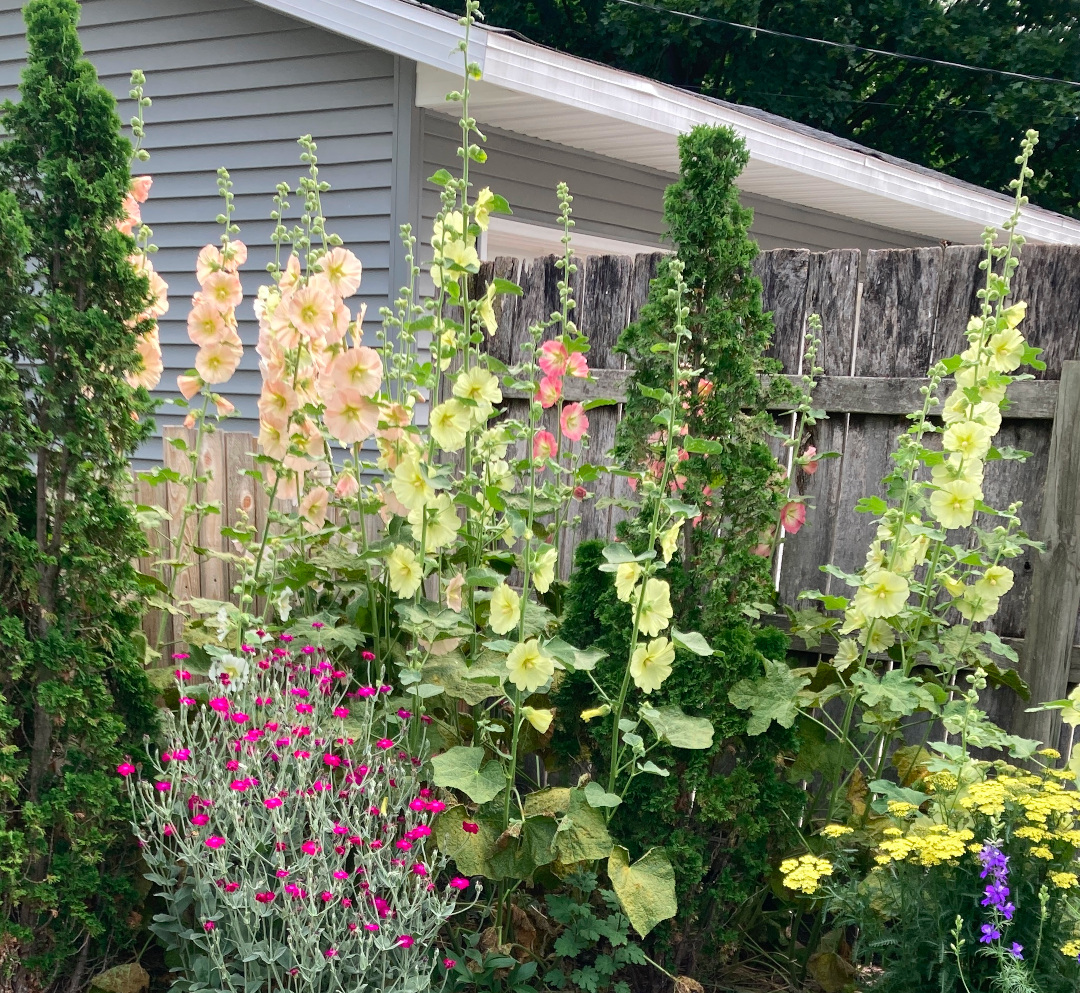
x=847 y=46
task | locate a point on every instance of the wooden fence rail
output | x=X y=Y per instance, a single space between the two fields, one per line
x=886 y=318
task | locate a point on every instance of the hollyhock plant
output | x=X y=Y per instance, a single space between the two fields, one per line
x=263 y=874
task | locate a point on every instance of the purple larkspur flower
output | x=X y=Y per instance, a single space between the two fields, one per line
x=990 y=934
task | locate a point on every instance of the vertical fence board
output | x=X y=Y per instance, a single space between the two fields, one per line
x=187 y=581
x=213 y=583
x=240 y=490
x=783 y=274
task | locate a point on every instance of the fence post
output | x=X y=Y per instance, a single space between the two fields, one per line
x=1055 y=586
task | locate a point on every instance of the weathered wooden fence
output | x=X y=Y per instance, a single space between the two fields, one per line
x=886 y=318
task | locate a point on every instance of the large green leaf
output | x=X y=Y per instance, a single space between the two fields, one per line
x=599 y=797
x=523 y=848
x=456 y=679
x=575 y=659
x=670 y=724
x=646 y=889
x=469 y=851
x=894 y=695
x=582 y=835
x=463 y=768
x=774 y=697
x=691 y=641
x=553 y=800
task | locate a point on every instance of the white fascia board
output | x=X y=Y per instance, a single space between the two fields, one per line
x=404 y=29
x=549 y=75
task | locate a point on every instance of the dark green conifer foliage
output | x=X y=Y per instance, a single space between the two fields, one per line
x=721 y=814
x=74 y=698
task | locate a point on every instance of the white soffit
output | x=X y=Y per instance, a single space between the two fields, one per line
x=556 y=97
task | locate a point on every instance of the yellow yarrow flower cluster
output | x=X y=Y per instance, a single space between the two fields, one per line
x=925 y=846
x=804 y=874
x=836 y=830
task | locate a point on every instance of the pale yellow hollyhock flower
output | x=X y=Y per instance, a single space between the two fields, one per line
x=411 y=485
x=485 y=310
x=482 y=388
x=954 y=467
x=955 y=407
x=1006 y=350
x=539 y=719
x=505 y=609
x=655 y=613
x=955 y=586
x=485 y=200
x=626 y=578
x=853 y=620
x=976 y=607
x=969 y=438
x=443 y=522
x=971 y=375
x=881 y=637
x=669 y=541
x=650 y=664
x=953 y=503
x=875 y=556
x=449 y=424
x=313 y=508
x=528 y=667
x=493 y=443
x=543 y=567
x=847 y=653
x=404 y=571
x=602 y=711
x=882 y=594
x=988 y=414
x=448 y=343
x=995 y=581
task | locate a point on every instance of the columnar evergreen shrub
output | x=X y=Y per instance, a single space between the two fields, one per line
x=73 y=696
x=722 y=810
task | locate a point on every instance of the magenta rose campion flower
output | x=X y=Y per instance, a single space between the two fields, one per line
x=273 y=819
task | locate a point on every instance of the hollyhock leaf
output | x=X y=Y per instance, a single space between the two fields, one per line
x=550 y=801
x=646 y=889
x=677 y=728
x=576 y=659
x=582 y=835
x=692 y=641
x=463 y=768
x=599 y=797
x=770 y=698
x=457 y=680
x=517 y=857
x=599 y=402
x=506 y=286
x=871 y=505
x=703 y=446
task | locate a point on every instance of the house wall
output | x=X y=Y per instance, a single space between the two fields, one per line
x=624 y=201
x=234 y=85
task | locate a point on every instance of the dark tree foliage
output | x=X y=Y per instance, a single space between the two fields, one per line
x=955 y=120
x=73 y=695
x=725 y=812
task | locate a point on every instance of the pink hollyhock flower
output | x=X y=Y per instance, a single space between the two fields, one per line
x=215 y=841
x=553 y=358
x=350 y=416
x=549 y=392
x=406 y=941
x=265 y=896
x=793 y=516
x=223 y=290
x=140 y=188
x=469 y=827
x=346 y=487
x=577 y=366
x=125 y=769
x=811 y=464
x=573 y=420
x=544 y=446
x=580 y=493
x=459 y=883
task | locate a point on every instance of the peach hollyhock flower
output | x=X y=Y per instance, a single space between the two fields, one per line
x=793 y=516
x=217 y=362
x=224 y=407
x=188 y=385
x=140 y=188
x=277 y=396
x=339 y=325
x=274 y=435
x=132 y=215
x=453 y=592
x=206 y=325
x=553 y=358
x=189 y=421
x=289 y=483
x=342 y=270
x=159 y=295
x=290 y=276
x=573 y=420
x=306 y=437
x=550 y=391
x=151 y=367
x=311 y=310
x=208 y=262
x=389 y=504
x=223 y=290
x=350 y=416
x=577 y=366
x=544 y=445
x=313 y=508
x=234 y=255
x=347 y=486
x=357 y=369
x=810 y=465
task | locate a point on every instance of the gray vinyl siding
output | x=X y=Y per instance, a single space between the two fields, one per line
x=235 y=85
x=623 y=201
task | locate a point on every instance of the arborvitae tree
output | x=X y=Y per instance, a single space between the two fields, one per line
x=74 y=698
x=724 y=812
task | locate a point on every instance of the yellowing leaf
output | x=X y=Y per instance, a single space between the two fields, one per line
x=646 y=889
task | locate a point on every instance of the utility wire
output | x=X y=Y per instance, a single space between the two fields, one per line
x=847 y=46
